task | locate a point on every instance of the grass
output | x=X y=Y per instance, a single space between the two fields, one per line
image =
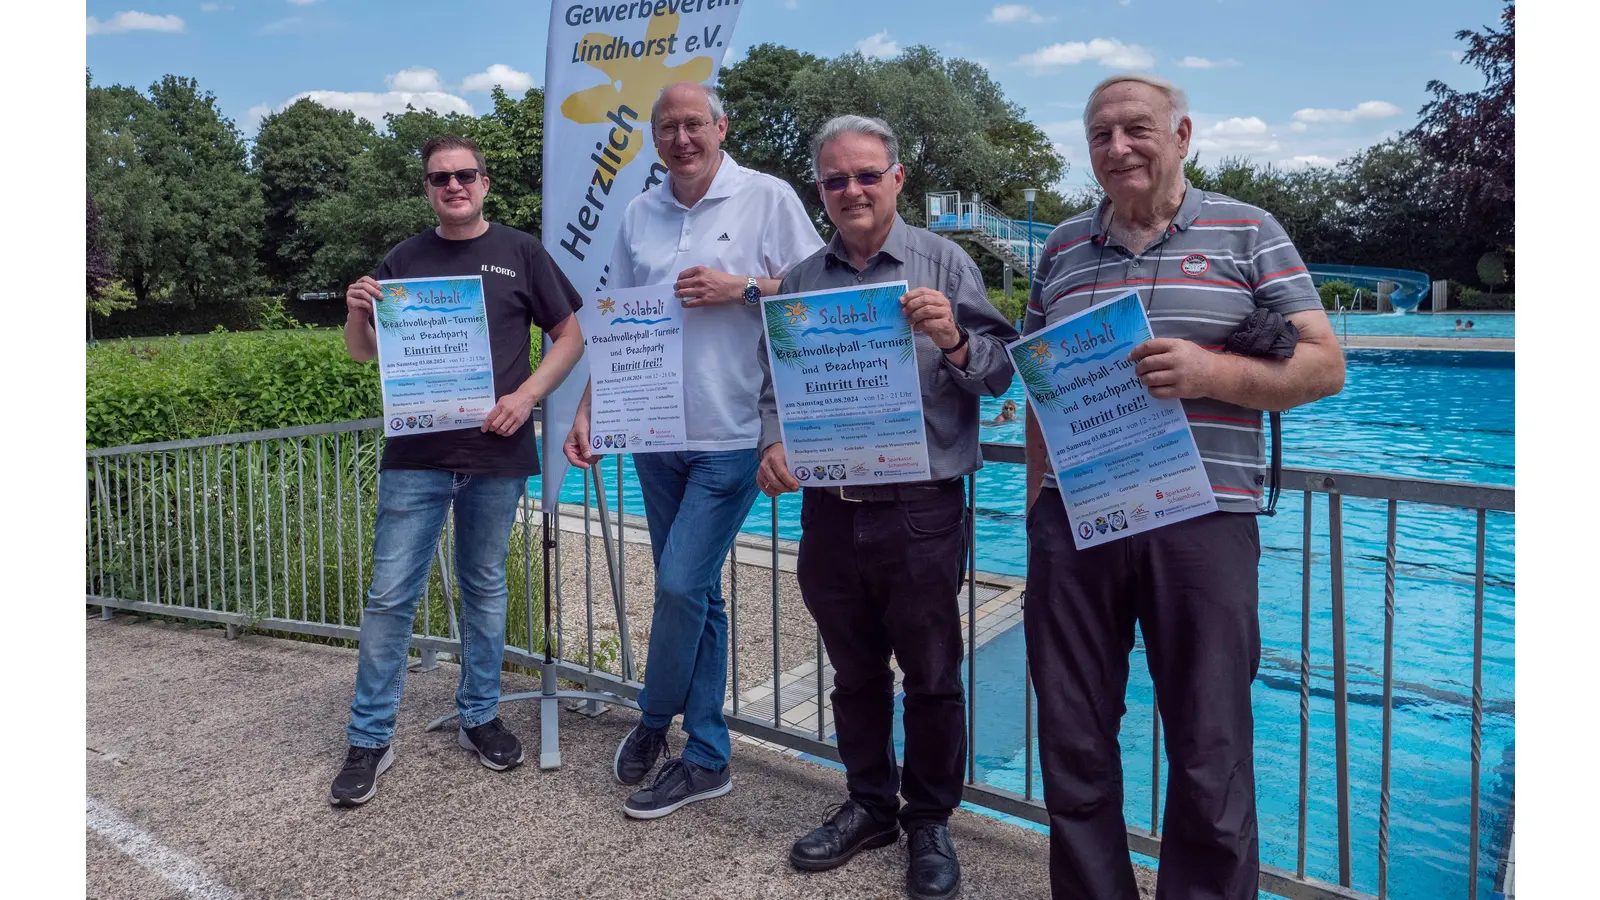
x=271 y=529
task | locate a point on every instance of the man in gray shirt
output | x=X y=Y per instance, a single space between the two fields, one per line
x=880 y=566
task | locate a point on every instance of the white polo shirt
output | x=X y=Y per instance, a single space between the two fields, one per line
x=749 y=224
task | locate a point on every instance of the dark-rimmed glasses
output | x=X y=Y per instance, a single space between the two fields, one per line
x=838 y=183
x=462 y=176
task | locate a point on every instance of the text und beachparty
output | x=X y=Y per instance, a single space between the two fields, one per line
x=1124 y=461
x=844 y=369
x=433 y=354
x=635 y=344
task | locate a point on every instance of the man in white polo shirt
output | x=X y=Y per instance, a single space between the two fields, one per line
x=724 y=236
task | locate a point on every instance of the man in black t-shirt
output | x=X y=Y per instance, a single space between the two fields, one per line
x=481 y=472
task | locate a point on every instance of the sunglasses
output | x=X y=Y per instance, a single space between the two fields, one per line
x=462 y=176
x=865 y=179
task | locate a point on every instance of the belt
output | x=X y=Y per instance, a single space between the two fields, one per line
x=890 y=493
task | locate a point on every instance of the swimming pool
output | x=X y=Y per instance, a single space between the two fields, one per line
x=1440 y=325
x=1423 y=414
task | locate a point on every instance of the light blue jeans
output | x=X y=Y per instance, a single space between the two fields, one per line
x=411 y=511
x=694 y=503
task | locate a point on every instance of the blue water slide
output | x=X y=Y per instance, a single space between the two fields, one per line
x=1410 y=287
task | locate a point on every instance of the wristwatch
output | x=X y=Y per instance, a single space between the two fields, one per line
x=752 y=293
x=959 y=344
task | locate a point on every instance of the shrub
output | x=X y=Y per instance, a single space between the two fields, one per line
x=1471 y=298
x=1343 y=291
x=1013 y=309
x=175 y=388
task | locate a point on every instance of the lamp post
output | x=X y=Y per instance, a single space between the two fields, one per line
x=1028 y=194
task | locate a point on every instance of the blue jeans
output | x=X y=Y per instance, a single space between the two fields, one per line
x=411 y=510
x=694 y=503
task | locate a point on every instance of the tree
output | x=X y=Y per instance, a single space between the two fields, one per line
x=1473 y=137
x=385 y=203
x=764 y=127
x=957 y=131
x=511 y=137
x=183 y=216
x=96 y=263
x=1391 y=215
x=302 y=154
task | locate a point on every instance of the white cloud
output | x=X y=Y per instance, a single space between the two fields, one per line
x=1308 y=161
x=1200 y=62
x=879 y=45
x=134 y=21
x=418 y=80
x=791 y=4
x=1298 y=127
x=215 y=7
x=1015 y=12
x=1111 y=53
x=372 y=106
x=1236 y=135
x=302 y=2
x=513 y=81
x=1370 y=109
x=284 y=26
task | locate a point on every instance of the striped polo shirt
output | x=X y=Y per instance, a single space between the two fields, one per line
x=1218 y=261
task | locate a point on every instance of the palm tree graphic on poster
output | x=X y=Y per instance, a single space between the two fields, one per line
x=789 y=321
x=1037 y=361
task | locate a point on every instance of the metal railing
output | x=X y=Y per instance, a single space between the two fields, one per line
x=272 y=530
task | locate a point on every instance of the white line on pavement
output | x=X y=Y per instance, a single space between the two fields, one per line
x=176 y=869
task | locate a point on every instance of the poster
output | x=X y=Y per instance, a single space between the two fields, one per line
x=633 y=339
x=433 y=354
x=844 y=369
x=1124 y=461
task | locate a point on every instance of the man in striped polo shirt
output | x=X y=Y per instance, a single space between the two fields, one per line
x=1201 y=263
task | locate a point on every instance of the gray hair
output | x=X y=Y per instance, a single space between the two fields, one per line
x=713 y=101
x=1178 y=100
x=839 y=126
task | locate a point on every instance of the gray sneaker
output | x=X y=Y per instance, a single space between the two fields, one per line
x=680 y=782
x=637 y=753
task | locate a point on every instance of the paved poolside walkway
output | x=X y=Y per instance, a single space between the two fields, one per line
x=1405 y=342
x=208 y=761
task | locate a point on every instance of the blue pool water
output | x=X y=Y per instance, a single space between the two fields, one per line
x=1437 y=415
x=1442 y=325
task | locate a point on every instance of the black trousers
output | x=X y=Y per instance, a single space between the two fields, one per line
x=883 y=578
x=1191 y=587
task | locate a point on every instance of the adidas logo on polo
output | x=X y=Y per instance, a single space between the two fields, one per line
x=724 y=237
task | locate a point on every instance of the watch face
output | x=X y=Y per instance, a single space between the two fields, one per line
x=752 y=294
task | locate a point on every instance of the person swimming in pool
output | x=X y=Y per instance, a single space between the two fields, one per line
x=1469 y=325
x=1008 y=415
x=1458 y=325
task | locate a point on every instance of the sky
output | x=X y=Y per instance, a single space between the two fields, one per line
x=1291 y=82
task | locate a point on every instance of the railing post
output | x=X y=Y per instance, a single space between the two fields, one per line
x=1341 y=708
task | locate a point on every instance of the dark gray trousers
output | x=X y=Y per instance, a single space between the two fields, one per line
x=1191 y=587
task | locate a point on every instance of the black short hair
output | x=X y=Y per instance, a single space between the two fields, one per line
x=452 y=142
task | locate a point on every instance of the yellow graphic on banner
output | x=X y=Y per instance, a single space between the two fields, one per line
x=607 y=305
x=633 y=81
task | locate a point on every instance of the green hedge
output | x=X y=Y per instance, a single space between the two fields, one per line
x=221 y=383
x=158 y=319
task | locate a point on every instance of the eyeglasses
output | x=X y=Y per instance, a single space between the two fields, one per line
x=838 y=183
x=462 y=176
x=667 y=131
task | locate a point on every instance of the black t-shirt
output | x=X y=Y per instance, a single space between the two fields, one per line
x=521 y=287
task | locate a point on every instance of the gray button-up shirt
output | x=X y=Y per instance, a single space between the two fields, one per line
x=949 y=393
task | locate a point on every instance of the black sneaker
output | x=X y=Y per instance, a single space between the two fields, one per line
x=357 y=781
x=638 y=752
x=679 y=782
x=933 y=872
x=846 y=829
x=496 y=747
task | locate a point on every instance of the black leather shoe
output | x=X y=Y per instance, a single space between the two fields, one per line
x=933 y=873
x=848 y=829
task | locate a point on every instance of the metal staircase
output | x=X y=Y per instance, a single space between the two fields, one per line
x=1004 y=238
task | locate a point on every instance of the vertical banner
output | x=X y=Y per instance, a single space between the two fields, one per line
x=605 y=62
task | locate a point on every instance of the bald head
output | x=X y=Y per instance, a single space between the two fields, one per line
x=688 y=93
